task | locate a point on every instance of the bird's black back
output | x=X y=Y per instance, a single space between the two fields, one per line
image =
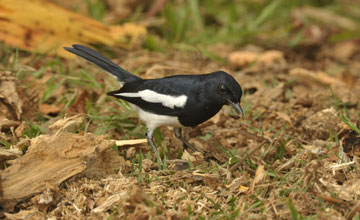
x=199 y=106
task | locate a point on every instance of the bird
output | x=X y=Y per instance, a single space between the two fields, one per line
x=178 y=101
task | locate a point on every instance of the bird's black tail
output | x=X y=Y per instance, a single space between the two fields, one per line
x=102 y=62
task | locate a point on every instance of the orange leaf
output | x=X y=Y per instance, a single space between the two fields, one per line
x=40 y=26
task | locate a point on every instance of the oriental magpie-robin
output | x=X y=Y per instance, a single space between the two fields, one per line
x=178 y=101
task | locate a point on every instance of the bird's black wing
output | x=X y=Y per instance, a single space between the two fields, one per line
x=102 y=62
x=165 y=96
x=200 y=104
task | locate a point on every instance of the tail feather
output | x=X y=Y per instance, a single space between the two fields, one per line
x=102 y=62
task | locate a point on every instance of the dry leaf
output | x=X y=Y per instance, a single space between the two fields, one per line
x=242 y=58
x=130 y=153
x=186 y=156
x=259 y=176
x=19 y=130
x=314 y=78
x=271 y=56
x=40 y=26
x=348 y=78
x=284 y=116
x=49 y=109
x=344 y=50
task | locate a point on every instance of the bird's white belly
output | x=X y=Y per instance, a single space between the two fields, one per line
x=153 y=121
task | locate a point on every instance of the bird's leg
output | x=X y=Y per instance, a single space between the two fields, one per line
x=177 y=133
x=150 y=135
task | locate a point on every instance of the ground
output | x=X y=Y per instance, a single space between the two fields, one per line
x=294 y=155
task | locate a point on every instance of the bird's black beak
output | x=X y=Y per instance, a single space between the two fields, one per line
x=236 y=107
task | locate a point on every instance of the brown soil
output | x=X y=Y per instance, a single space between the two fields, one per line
x=293 y=149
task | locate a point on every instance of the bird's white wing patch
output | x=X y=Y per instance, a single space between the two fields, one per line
x=154 y=97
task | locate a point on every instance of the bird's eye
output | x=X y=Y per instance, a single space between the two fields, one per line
x=222 y=89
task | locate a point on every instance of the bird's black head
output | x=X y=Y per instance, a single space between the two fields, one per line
x=228 y=91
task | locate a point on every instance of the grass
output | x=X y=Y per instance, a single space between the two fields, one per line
x=96 y=9
x=343 y=113
x=215 y=21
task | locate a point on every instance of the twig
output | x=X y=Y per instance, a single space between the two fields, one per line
x=330 y=199
x=130 y=142
x=353 y=211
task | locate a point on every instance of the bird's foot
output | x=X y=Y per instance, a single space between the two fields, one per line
x=178 y=135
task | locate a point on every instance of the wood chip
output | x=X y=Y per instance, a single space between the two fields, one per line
x=109 y=202
x=53 y=159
